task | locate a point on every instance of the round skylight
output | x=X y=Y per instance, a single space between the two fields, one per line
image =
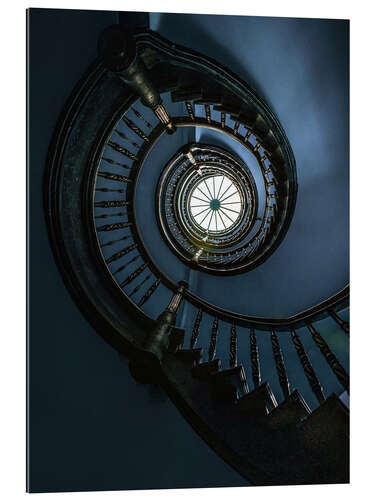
x=215 y=204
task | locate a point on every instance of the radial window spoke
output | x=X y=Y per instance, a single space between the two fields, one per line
x=204 y=194
x=208 y=189
x=227 y=189
x=230 y=196
x=223 y=223
x=205 y=201
x=230 y=210
x=212 y=214
x=205 y=210
x=222 y=180
x=226 y=215
x=209 y=224
x=205 y=217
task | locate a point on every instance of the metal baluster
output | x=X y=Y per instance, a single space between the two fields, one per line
x=141 y=117
x=135 y=290
x=127 y=139
x=254 y=357
x=121 y=253
x=121 y=150
x=280 y=366
x=343 y=324
x=114 y=227
x=133 y=275
x=336 y=367
x=222 y=117
x=114 y=162
x=195 y=331
x=111 y=204
x=114 y=177
x=149 y=292
x=121 y=268
x=190 y=110
x=112 y=242
x=233 y=347
x=108 y=216
x=236 y=127
x=106 y=190
x=135 y=129
x=307 y=367
x=212 y=348
x=208 y=112
x=248 y=134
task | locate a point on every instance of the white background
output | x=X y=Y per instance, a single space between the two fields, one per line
x=13 y=240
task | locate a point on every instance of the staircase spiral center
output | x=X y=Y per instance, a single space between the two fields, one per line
x=215 y=203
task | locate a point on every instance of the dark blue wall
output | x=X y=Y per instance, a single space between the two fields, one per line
x=91 y=426
x=301 y=67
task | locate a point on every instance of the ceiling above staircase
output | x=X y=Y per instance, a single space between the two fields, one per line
x=301 y=68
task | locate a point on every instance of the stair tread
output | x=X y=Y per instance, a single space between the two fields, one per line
x=259 y=402
x=208 y=99
x=324 y=435
x=204 y=371
x=290 y=412
x=330 y=419
x=185 y=94
x=230 y=383
x=192 y=356
x=176 y=338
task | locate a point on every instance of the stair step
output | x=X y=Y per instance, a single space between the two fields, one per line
x=325 y=437
x=328 y=423
x=176 y=338
x=190 y=356
x=257 y=403
x=208 y=99
x=277 y=157
x=203 y=371
x=247 y=119
x=260 y=128
x=290 y=412
x=229 y=106
x=269 y=142
x=186 y=94
x=230 y=384
x=167 y=80
x=282 y=189
x=269 y=237
x=278 y=173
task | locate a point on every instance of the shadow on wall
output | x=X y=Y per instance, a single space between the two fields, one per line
x=196 y=37
x=301 y=68
x=91 y=426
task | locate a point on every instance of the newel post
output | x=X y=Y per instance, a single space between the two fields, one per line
x=146 y=367
x=118 y=51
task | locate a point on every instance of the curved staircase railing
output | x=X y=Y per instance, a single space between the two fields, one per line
x=94 y=167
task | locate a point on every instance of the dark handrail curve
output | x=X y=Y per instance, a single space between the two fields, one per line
x=319 y=311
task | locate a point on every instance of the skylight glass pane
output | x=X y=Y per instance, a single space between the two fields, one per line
x=215 y=204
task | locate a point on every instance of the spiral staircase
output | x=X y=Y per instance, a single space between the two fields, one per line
x=103 y=189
